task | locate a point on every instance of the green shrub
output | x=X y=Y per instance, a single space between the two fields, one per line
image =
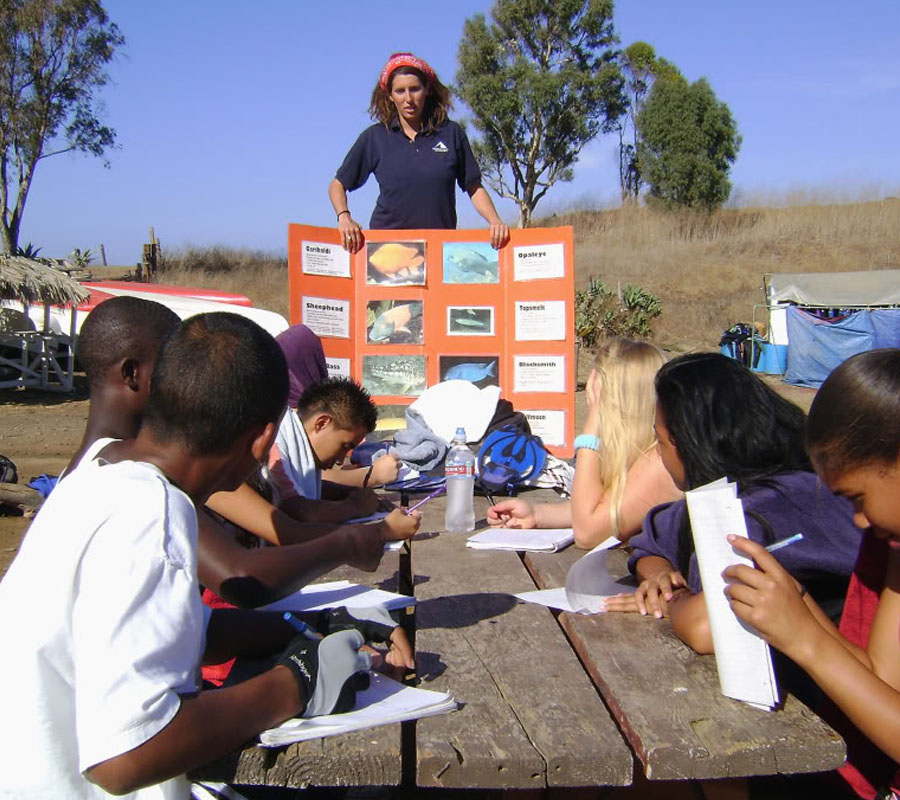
x=601 y=313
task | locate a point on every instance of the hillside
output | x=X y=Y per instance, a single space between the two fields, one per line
x=706 y=269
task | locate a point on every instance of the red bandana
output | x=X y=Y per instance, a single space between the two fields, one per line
x=404 y=60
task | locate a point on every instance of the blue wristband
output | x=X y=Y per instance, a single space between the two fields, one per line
x=587 y=442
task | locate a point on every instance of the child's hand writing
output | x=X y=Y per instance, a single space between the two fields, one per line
x=512 y=513
x=376 y=625
x=400 y=525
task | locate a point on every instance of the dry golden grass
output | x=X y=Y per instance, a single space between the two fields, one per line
x=261 y=276
x=707 y=270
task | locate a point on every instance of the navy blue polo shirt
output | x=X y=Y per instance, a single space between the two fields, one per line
x=417 y=178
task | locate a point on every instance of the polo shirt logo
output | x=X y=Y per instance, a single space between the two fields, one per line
x=440 y=147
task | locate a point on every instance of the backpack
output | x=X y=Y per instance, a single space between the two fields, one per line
x=737 y=342
x=8 y=472
x=507 y=457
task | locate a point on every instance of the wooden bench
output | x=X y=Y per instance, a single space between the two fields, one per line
x=667 y=701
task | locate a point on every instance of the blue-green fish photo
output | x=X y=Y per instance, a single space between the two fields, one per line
x=470 y=321
x=470 y=262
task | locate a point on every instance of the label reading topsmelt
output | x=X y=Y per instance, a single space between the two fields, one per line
x=459 y=471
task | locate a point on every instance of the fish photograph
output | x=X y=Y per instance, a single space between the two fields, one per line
x=470 y=262
x=480 y=370
x=394 y=375
x=395 y=263
x=470 y=321
x=394 y=322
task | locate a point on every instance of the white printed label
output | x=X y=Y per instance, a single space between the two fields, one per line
x=327 y=316
x=539 y=261
x=540 y=320
x=337 y=367
x=539 y=373
x=320 y=258
x=549 y=424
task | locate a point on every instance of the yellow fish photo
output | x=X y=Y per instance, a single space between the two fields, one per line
x=395 y=263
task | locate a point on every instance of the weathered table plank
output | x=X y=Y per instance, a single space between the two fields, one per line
x=667 y=700
x=531 y=717
x=370 y=757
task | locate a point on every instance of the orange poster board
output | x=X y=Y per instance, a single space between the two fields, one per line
x=415 y=307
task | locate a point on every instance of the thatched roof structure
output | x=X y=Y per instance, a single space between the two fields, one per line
x=34 y=282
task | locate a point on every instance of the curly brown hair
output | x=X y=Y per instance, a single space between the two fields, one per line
x=437 y=101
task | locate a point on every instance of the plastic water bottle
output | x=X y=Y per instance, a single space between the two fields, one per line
x=459 y=467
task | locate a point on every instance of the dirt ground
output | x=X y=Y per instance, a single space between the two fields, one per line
x=39 y=431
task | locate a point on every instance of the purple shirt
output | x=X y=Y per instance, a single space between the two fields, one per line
x=795 y=502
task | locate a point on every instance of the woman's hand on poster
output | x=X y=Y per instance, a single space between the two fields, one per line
x=352 y=238
x=499 y=235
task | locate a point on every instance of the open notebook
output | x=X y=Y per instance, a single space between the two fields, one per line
x=535 y=540
x=385 y=701
x=742 y=657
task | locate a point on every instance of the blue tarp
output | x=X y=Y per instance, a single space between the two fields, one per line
x=817 y=346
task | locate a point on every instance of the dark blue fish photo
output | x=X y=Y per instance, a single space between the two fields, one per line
x=480 y=370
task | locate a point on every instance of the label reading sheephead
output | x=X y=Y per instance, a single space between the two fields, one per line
x=326 y=316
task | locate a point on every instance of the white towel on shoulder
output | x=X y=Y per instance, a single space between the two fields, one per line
x=297 y=457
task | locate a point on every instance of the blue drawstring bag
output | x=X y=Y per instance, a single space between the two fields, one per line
x=507 y=457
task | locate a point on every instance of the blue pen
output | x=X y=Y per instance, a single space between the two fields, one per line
x=784 y=542
x=300 y=626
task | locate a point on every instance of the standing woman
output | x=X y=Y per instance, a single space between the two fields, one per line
x=417 y=154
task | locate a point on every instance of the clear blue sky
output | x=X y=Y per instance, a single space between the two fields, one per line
x=233 y=116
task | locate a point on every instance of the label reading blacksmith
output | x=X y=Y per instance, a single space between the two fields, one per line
x=539 y=373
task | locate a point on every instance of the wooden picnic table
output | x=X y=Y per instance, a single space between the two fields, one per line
x=667 y=700
x=535 y=687
x=531 y=716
